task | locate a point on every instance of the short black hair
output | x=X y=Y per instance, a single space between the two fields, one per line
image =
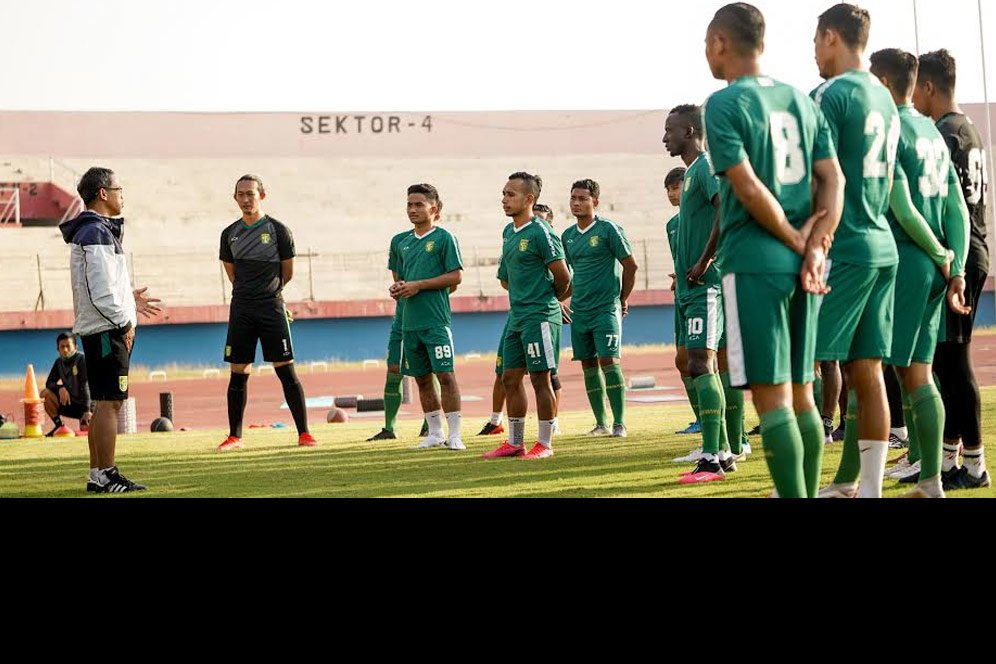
x=743 y=23
x=898 y=66
x=851 y=22
x=692 y=113
x=544 y=209
x=938 y=67
x=590 y=185
x=428 y=191
x=65 y=335
x=249 y=177
x=95 y=179
x=534 y=183
x=674 y=176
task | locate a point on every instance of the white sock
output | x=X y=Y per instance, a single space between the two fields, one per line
x=517 y=431
x=902 y=432
x=435 y=420
x=950 y=458
x=709 y=456
x=725 y=454
x=873 y=453
x=556 y=423
x=496 y=418
x=96 y=476
x=453 y=422
x=975 y=461
x=545 y=430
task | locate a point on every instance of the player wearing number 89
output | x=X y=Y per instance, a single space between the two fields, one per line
x=856 y=316
x=769 y=144
x=430 y=267
x=926 y=209
x=595 y=248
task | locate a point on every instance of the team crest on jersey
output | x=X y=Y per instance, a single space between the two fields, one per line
x=523 y=244
x=75 y=370
x=228 y=351
x=123 y=383
x=264 y=238
x=429 y=245
x=593 y=241
x=688 y=184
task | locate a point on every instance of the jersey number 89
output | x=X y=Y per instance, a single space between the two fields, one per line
x=443 y=351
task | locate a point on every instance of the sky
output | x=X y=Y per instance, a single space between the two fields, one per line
x=439 y=55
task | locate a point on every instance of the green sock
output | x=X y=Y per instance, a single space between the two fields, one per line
x=392 y=400
x=783 y=452
x=850 y=459
x=811 y=430
x=928 y=419
x=693 y=396
x=734 y=414
x=710 y=393
x=615 y=387
x=912 y=434
x=596 y=393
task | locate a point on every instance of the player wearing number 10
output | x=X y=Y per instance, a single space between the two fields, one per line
x=768 y=144
x=430 y=267
x=856 y=316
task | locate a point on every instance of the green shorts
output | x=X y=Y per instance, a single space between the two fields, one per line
x=536 y=347
x=394 y=347
x=919 y=306
x=427 y=351
x=770 y=329
x=596 y=334
x=855 y=321
x=702 y=313
x=680 y=326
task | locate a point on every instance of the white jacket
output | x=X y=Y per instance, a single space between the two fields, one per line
x=102 y=295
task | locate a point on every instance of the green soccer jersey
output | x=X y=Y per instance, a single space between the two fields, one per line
x=672 y=239
x=864 y=123
x=696 y=219
x=525 y=253
x=781 y=132
x=432 y=255
x=394 y=264
x=594 y=254
x=923 y=160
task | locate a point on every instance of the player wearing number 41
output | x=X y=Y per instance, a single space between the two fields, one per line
x=430 y=267
x=595 y=248
x=533 y=271
x=927 y=216
x=855 y=320
x=769 y=145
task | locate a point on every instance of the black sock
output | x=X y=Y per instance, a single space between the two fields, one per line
x=969 y=402
x=895 y=397
x=294 y=394
x=237 y=392
x=57 y=421
x=946 y=371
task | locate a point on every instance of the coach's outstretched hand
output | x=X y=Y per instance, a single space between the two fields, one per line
x=145 y=304
x=956 y=296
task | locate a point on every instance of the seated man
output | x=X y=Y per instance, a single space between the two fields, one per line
x=66 y=391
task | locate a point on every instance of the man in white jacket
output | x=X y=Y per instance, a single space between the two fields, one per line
x=106 y=310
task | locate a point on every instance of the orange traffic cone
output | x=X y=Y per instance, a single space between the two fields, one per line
x=34 y=410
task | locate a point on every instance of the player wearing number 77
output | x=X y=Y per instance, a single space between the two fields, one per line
x=855 y=324
x=769 y=144
x=430 y=267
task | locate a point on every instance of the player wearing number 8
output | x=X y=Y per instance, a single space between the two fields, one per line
x=856 y=316
x=769 y=144
x=430 y=267
x=595 y=249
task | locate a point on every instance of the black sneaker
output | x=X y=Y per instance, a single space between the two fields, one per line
x=910 y=479
x=949 y=475
x=491 y=429
x=93 y=487
x=705 y=471
x=425 y=428
x=729 y=466
x=383 y=435
x=897 y=443
x=118 y=483
x=51 y=433
x=827 y=427
x=756 y=431
x=963 y=479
